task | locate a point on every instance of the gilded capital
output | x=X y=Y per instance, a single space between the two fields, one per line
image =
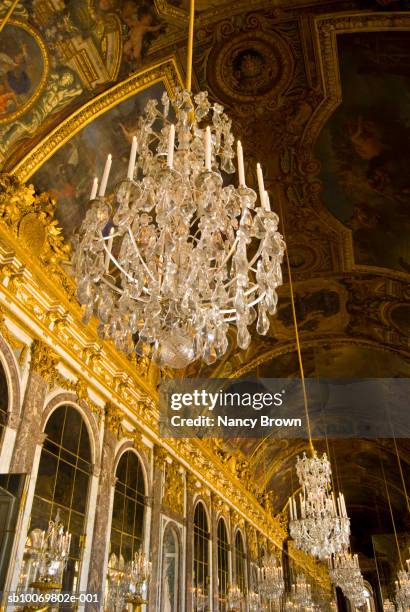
x=113 y=420
x=43 y=359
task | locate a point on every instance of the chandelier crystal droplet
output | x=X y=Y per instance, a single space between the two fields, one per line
x=177 y=252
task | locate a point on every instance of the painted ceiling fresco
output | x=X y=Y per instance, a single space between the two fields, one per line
x=364 y=148
x=80 y=47
x=69 y=173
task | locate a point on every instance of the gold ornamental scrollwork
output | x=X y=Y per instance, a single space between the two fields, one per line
x=252 y=541
x=30 y=218
x=43 y=359
x=174 y=489
x=113 y=420
x=160 y=456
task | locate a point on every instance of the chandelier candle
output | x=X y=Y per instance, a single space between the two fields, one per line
x=190 y=253
x=241 y=167
x=208 y=149
x=171 y=145
x=261 y=185
x=104 y=180
x=94 y=189
x=133 y=157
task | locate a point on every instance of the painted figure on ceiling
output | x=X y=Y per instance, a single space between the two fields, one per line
x=140 y=23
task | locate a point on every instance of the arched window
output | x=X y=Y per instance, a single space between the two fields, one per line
x=63 y=482
x=170 y=571
x=201 y=557
x=223 y=564
x=4 y=401
x=127 y=530
x=240 y=562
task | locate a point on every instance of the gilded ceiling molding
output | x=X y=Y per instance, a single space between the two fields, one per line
x=166 y=71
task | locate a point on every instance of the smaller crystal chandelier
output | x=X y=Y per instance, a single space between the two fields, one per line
x=270 y=579
x=52 y=555
x=235 y=598
x=200 y=599
x=253 y=602
x=301 y=592
x=388 y=606
x=137 y=576
x=403 y=588
x=323 y=527
x=344 y=571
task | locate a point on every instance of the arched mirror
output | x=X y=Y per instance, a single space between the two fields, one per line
x=240 y=562
x=4 y=401
x=127 y=526
x=62 y=488
x=170 y=571
x=223 y=564
x=201 y=559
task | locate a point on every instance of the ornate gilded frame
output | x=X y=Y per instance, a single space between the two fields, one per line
x=27 y=105
x=166 y=71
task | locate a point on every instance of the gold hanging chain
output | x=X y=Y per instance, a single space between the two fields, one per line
x=190 y=45
x=401 y=474
x=8 y=14
x=391 y=514
x=297 y=337
x=399 y=463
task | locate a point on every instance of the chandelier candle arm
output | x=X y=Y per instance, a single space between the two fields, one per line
x=94 y=189
x=104 y=180
x=133 y=157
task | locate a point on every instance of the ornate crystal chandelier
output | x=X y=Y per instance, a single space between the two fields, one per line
x=52 y=555
x=388 y=606
x=344 y=571
x=270 y=579
x=322 y=527
x=137 y=576
x=301 y=592
x=403 y=588
x=235 y=598
x=253 y=602
x=178 y=252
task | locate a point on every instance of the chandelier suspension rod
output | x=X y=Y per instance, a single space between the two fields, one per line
x=295 y=322
x=190 y=45
x=399 y=463
x=391 y=514
x=8 y=14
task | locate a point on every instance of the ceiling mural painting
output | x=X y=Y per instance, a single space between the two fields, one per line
x=69 y=173
x=87 y=45
x=364 y=148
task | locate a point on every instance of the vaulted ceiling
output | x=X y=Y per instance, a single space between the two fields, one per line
x=318 y=92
